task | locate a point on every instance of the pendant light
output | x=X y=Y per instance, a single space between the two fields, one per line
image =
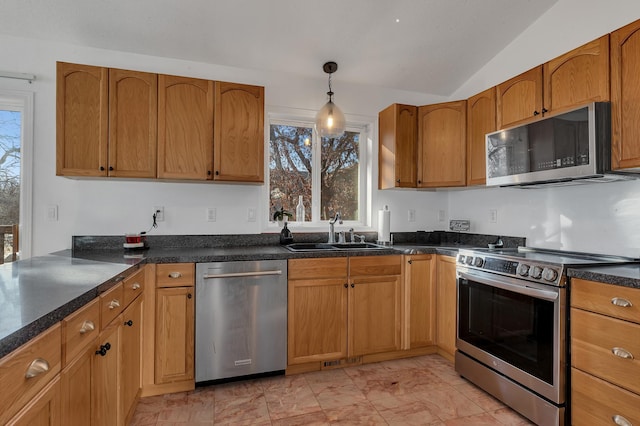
x=330 y=121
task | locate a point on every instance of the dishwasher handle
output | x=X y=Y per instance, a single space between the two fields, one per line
x=241 y=274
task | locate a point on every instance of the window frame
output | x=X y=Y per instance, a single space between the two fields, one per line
x=23 y=101
x=306 y=118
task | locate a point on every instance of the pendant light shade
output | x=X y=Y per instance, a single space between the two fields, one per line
x=330 y=121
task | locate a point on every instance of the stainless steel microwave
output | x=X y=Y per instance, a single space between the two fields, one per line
x=564 y=147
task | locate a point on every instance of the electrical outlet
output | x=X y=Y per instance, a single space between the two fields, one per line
x=440 y=215
x=211 y=214
x=52 y=213
x=159 y=212
x=493 y=216
x=411 y=215
x=251 y=215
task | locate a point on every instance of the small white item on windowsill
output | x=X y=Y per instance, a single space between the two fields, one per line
x=300 y=210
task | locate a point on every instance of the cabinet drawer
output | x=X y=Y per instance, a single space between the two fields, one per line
x=375 y=265
x=40 y=359
x=133 y=286
x=175 y=274
x=607 y=299
x=331 y=267
x=111 y=304
x=596 y=402
x=79 y=329
x=594 y=338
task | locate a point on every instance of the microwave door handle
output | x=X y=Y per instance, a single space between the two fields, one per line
x=505 y=285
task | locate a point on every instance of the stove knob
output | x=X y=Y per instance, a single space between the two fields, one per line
x=536 y=272
x=478 y=262
x=549 y=274
x=461 y=258
x=469 y=260
x=523 y=269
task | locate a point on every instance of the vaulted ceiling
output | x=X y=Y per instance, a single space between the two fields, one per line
x=428 y=46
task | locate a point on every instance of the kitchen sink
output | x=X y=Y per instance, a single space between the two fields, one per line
x=295 y=247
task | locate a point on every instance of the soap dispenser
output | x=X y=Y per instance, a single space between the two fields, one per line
x=285 y=235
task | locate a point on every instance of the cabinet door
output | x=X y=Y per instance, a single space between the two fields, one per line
x=239 y=133
x=133 y=123
x=374 y=314
x=43 y=409
x=420 y=306
x=174 y=334
x=130 y=355
x=625 y=97
x=76 y=389
x=442 y=145
x=578 y=76
x=104 y=398
x=397 y=146
x=519 y=98
x=317 y=319
x=481 y=119
x=446 y=302
x=81 y=120
x=185 y=128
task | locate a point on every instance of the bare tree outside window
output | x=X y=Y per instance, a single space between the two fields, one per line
x=291 y=167
x=10 y=137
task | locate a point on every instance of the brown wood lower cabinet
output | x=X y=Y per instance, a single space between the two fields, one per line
x=104 y=398
x=343 y=307
x=130 y=357
x=420 y=300
x=446 y=302
x=42 y=410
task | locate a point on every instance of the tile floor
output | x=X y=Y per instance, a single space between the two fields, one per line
x=414 y=391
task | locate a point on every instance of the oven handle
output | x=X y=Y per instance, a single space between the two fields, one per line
x=528 y=291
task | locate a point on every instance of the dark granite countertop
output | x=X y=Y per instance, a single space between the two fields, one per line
x=38 y=292
x=627 y=275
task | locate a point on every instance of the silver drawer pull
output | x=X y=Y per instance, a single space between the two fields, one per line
x=175 y=274
x=115 y=303
x=622 y=353
x=135 y=286
x=623 y=303
x=87 y=326
x=620 y=421
x=37 y=367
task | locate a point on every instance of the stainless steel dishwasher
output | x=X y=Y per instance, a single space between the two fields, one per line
x=241 y=318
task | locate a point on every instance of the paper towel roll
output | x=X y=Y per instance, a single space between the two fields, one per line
x=384 y=225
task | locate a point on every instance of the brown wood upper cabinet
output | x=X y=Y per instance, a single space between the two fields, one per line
x=239 y=133
x=481 y=119
x=625 y=97
x=106 y=122
x=442 y=145
x=397 y=146
x=81 y=122
x=571 y=79
x=185 y=128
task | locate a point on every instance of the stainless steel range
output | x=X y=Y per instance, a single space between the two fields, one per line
x=512 y=326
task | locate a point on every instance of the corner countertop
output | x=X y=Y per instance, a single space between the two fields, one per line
x=627 y=275
x=38 y=292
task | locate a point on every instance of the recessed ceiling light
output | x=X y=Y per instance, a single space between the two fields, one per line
x=397 y=19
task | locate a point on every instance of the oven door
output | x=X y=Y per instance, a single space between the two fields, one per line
x=515 y=327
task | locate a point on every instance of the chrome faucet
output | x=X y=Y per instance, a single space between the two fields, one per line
x=332 y=221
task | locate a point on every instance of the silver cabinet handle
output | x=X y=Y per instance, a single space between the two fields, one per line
x=622 y=353
x=115 y=303
x=623 y=303
x=620 y=421
x=87 y=326
x=37 y=367
x=135 y=286
x=175 y=274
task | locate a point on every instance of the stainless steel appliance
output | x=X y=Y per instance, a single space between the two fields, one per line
x=572 y=146
x=512 y=326
x=241 y=318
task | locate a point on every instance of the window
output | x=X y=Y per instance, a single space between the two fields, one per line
x=16 y=111
x=327 y=173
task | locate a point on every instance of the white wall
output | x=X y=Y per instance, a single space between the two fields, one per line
x=599 y=218
x=113 y=207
